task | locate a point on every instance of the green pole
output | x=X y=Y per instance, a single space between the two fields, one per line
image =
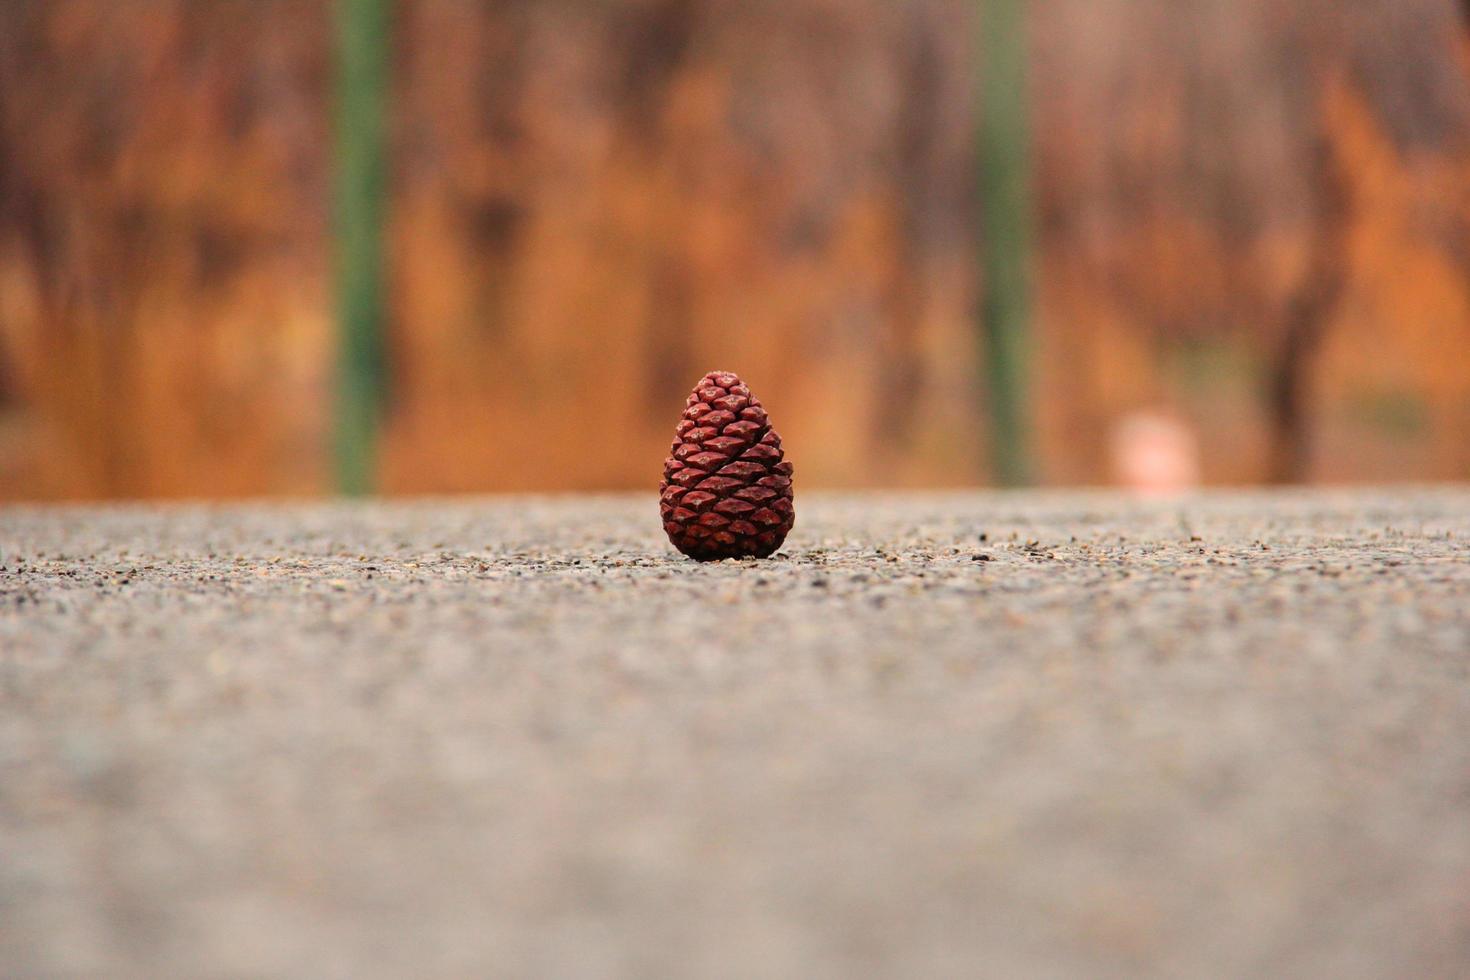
x=1005 y=208
x=360 y=183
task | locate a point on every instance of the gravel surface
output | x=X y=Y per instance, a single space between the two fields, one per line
x=937 y=735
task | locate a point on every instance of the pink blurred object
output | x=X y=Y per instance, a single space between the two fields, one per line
x=1155 y=454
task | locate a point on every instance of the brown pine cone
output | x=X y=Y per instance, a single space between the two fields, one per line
x=726 y=491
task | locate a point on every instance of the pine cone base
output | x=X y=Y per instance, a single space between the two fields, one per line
x=726 y=491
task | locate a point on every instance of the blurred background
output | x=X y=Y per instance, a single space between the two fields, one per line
x=298 y=246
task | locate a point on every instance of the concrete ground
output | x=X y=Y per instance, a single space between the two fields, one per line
x=945 y=735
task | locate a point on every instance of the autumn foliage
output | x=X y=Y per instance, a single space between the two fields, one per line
x=1251 y=216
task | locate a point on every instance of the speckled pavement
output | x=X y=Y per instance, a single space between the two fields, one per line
x=940 y=735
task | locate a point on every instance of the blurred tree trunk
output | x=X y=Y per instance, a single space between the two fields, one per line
x=362 y=188
x=1309 y=311
x=1005 y=196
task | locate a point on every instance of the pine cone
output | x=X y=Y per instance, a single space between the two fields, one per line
x=726 y=491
